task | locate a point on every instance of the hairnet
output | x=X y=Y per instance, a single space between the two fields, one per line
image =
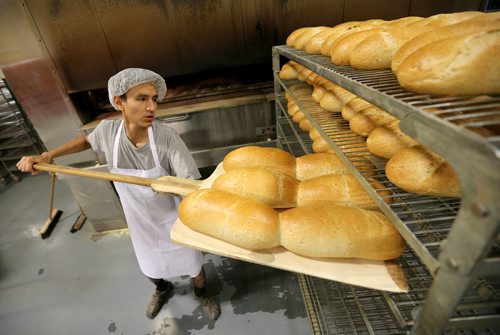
x=124 y=80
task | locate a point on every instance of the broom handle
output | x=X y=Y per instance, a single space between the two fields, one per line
x=93 y=174
x=52 y=186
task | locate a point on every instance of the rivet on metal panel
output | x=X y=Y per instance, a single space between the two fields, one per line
x=479 y=210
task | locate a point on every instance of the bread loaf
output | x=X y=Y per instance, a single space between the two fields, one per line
x=330 y=102
x=267 y=157
x=318 y=164
x=287 y=72
x=314 y=133
x=353 y=106
x=367 y=119
x=313 y=46
x=388 y=140
x=341 y=49
x=304 y=37
x=417 y=170
x=237 y=220
x=404 y=21
x=338 y=189
x=320 y=145
x=339 y=232
x=476 y=24
x=270 y=187
x=318 y=93
x=377 y=50
x=305 y=124
x=290 y=40
x=460 y=65
x=298 y=116
x=444 y=19
x=347 y=29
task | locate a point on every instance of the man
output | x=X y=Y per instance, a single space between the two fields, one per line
x=138 y=145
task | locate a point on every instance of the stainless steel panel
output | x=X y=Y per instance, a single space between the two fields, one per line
x=98 y=200
x=142 y=34
x=223 y=127
x=72 y=34
x=358 y=10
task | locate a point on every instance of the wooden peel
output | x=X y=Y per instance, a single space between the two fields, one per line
x=167 y=184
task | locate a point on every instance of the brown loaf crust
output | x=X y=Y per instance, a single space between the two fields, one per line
x=367 y=119
x=343 y=95
x=287 y=72
x=445 y=19
x=313 y=46
x=476 y=24
x=304 y=37
x=338 y=189
x=305 y=124
x=460 y=65
x=341 y=49
x=417 y=170
x=298 y=116
x=319 y=164
x=388 y=140
x=292 y=109
x=339 y=232
x=377 y=50
x=290 y=40
x=404 y=21
x=253 y=156
x=320 y=145
x=346 y=29
x=231 y=218
x=330 y=102
x=353 y=106
x=318 y=93
x=314 y=134
x=270 y=187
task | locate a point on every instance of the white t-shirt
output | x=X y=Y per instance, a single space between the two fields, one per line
x=173 y=154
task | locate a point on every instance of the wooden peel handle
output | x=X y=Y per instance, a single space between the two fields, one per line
x=93 y=174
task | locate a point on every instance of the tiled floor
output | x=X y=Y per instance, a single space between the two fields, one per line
x=88 y=283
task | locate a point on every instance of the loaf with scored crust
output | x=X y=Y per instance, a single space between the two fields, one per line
x=337 y=231
x=231 y=218
x=418 y=170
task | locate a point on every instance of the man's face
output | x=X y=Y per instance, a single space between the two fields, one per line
x=140 y=106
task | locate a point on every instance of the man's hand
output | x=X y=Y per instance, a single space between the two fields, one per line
x=25 y=164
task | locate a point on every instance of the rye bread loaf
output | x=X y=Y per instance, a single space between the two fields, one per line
x=231 y=218
x=339 y=231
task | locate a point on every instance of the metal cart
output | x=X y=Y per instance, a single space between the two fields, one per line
x=452 y=261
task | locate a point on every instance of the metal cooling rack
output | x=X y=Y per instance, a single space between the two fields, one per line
x=443 y=232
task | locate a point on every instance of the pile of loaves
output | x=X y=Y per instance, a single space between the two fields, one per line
x=410 y=166
x=455 y=54
x=310 y=205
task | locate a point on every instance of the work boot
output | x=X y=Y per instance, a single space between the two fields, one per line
x=158 y=300
x=210 y=306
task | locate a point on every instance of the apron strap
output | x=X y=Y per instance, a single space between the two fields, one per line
x=152 y=145
x=115 y=145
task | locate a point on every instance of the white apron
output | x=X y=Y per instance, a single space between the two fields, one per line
x=150 y=217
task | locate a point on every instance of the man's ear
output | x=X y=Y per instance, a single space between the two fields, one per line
x=118 y=102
